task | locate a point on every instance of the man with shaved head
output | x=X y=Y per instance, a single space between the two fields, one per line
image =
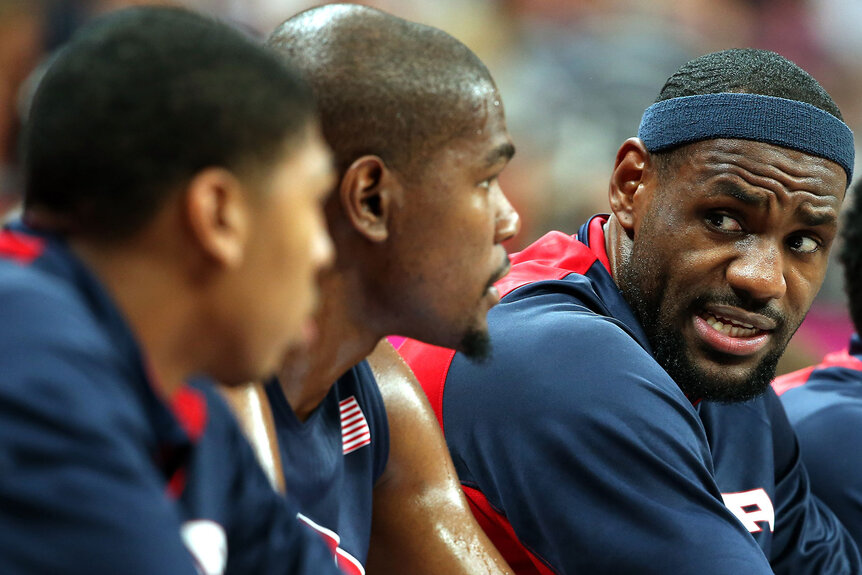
x=407 y=108
x=417 y=128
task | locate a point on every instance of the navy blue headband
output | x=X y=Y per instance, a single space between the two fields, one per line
x=788 y=123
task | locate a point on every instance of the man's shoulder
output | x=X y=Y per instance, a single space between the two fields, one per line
x=57 y=360
x=555 y=354
x=740 y=426
x=827 y=390
x=27 y=284
x=44 y=315
x=830 y=395
x=37 y=301
x=563 y=322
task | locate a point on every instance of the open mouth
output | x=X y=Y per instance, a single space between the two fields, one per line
x=730 y=327
x=734 y=331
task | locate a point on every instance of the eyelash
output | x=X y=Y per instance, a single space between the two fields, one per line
x=486 y=183
x=817 y=243
x=719 y=216
x=711 y=218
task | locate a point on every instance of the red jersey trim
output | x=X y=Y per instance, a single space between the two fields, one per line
x=190 y=408
x=596 y=233
x=552 y=257
x=20 y=247
x=177 y=483
x=843 y=358
x=788 y=381
x=500 y=531
x=430 y=365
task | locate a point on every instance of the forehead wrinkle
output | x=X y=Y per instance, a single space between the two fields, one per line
x=768 y=178
x=790 y=169
x=812 y=210
x=727 y=186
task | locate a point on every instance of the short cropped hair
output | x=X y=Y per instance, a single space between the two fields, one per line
x=743 y=70
x=384 y=86
x=142 y=100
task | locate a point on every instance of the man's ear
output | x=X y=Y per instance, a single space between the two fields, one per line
x=366 y=194
x=217 y=212
x=631 y=183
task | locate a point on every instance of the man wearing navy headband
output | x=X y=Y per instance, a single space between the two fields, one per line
x=623 y=424
x=824 y=401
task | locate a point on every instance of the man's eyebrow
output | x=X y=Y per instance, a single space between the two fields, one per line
x=808 y=214
x=502 y=152
x=738 y=193
x=813 y=218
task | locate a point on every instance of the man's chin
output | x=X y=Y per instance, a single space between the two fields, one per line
x=728 y=392
x=723 y=384
x=476 y=345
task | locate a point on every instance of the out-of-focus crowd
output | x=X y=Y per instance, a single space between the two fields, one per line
x=576 y=76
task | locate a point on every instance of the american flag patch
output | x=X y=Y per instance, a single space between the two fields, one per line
x=355 y=432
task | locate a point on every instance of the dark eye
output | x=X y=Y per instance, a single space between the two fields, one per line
x=803 y=244
x=723 y=222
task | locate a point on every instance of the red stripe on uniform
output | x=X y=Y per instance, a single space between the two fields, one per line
x=502 y=535
x=355 y=432
x=785 y=383
x=190 y=408
x=19 y=247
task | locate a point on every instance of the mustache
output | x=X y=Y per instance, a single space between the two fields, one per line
x=731 y=299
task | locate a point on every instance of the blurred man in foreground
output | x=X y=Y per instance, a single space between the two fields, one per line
x=172 y=226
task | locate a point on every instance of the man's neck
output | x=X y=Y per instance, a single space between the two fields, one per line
x=156 y=306
x=344 y=338
x=617 y=244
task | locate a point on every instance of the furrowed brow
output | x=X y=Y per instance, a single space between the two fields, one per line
x=742 y=195
x=813 y=218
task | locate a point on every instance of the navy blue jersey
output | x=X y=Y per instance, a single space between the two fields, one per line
x=579 y=454
x=824 y=404
x=97 y=473
x=333 y=459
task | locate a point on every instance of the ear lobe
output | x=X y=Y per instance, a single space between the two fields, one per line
x=631 y=183
x=366 y=196
x=217 y=213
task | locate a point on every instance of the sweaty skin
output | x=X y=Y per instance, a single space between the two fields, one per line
x=435 y=533
x=252 y=409
x=421 y=522
x=419 y=512
x=722 y=261
x=418 y=219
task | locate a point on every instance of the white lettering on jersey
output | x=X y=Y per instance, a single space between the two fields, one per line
x=207 y=542
x=344 y=560
x=751 y=508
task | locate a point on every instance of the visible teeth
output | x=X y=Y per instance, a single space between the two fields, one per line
x=731 y=328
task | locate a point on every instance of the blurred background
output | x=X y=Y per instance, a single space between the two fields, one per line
x=575 y=76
